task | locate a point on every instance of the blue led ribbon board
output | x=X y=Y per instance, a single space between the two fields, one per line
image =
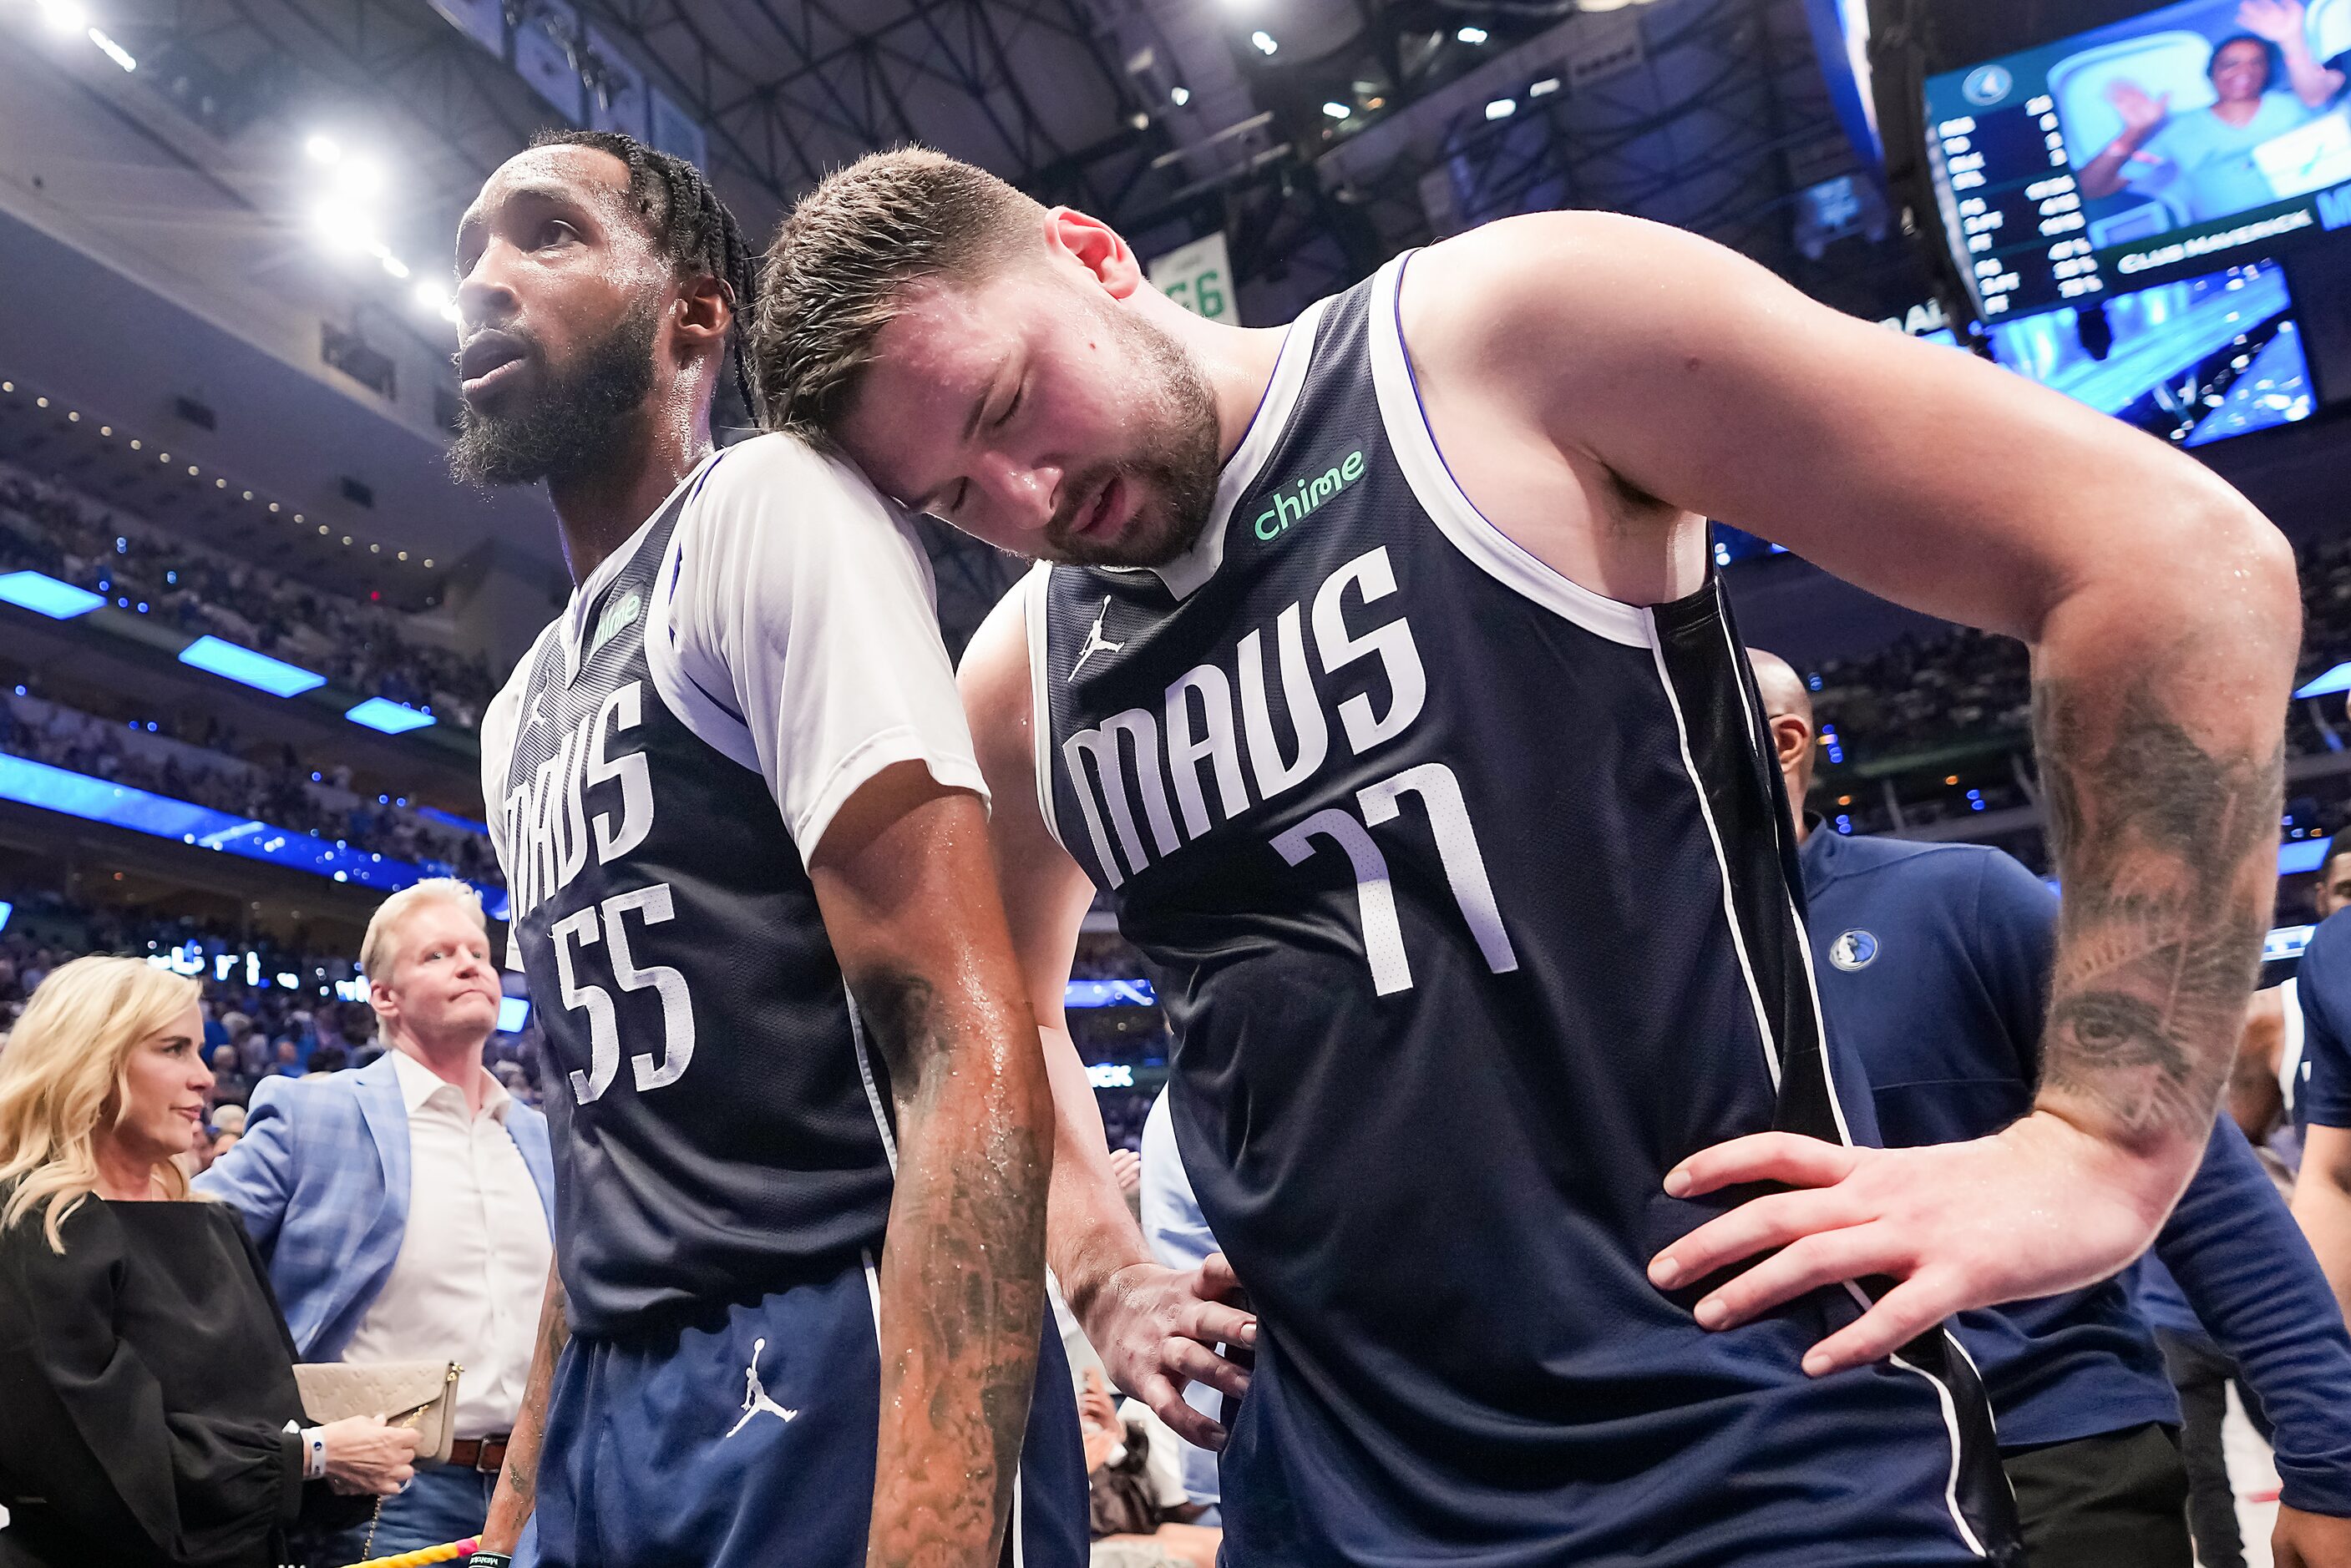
x=247 y=667
x=45 y=595
x=2336 y=679
x=514 y=1012
x=2301 y=855
x=391 y=718
x=1109 y=994
x=160 y=816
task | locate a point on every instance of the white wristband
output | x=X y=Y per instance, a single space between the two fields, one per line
x=314 y=1453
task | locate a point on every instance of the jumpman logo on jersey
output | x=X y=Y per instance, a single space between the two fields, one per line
x=755 y=1397
x=1095 y=641
x=538 y=714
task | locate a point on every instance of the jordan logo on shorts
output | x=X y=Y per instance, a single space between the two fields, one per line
x=755 y=1398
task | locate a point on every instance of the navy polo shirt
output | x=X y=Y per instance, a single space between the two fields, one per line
x=1934 y=962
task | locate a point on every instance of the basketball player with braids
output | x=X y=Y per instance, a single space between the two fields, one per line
x=799 y=1123
x=1376 y=676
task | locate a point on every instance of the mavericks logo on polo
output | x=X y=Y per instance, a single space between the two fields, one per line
x=1297 y=497
x=1853 y=951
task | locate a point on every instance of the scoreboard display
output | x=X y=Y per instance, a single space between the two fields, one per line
x=2153 y=149
x=2014 y=209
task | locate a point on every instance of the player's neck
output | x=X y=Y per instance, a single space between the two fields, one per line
x=599 y=508
x=1237 y=363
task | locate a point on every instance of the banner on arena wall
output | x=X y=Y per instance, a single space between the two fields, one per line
x=543 y=45
x=1199 y=277
x=484 y=21
x=622 y=104
x=675 y=131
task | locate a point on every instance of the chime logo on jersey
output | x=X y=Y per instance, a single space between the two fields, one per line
x=554 y=817
x=614 y=619
x=1295 y=498
x=1129 y=761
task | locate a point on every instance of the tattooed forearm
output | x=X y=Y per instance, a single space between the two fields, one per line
x=962 y=1272
x=517 y=1490
x=2168 y=854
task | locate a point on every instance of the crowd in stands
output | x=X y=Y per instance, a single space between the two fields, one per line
x=267 y=1028
x=283 y=794
x=1944 y=722
x=47 y=527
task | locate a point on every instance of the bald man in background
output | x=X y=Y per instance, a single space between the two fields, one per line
x=1933 y=962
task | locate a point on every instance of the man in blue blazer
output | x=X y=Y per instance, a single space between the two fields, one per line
x=404 y=1209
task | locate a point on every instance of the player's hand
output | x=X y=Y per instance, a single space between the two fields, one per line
x=2038 y=1208
x=1155 y=1329
x=1127 y=1168
x=2141 y=114
x=2279 y=21
x=2310 y=1540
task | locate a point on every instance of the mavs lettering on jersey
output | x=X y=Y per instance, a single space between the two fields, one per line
x=1472 y=899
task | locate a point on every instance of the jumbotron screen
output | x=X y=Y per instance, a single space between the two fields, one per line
x=2184 y=136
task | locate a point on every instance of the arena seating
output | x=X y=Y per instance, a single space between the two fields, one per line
x=286 y=795
x=45 y=928
x=47 y=527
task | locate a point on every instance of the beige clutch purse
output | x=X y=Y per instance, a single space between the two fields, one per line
x=419 y=1393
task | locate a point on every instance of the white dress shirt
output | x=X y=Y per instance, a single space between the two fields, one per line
x=473 y=1260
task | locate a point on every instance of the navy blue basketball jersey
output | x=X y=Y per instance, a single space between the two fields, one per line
x=719 y=1129
x=1472 y=897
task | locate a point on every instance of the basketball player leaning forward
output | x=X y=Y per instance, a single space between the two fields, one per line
x=799 y=1121
x=1378 y=678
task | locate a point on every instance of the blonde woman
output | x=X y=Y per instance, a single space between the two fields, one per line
x=151 y=1414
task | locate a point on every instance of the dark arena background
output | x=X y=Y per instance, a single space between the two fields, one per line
x=250 y=629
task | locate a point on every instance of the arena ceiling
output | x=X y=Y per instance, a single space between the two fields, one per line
x=1373 y=129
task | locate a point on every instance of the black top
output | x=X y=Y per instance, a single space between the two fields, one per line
x=660 y=901
x=147 y=1378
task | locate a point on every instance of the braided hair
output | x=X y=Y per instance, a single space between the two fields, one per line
x=691 y=227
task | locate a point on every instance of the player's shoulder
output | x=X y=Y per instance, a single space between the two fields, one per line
x=994 y=672
x=2329 y=949
x=754 y=484
x=500 y=720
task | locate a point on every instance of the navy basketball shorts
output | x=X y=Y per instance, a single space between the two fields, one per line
x=750 y=1441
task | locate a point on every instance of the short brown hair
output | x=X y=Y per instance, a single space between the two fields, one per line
x=840 y=263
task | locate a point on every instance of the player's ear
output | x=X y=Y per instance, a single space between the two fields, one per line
x=703 y=311
x=1093 y=245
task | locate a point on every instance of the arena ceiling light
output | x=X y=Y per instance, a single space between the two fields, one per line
x=380 y=713
x=1179 y=96
x=45 y=595
x=1502 y=109
x=1338 y=110
x=112 y=50
x=1264 y=42
x=242 y=665
x=1472 y=35
x=64 y=15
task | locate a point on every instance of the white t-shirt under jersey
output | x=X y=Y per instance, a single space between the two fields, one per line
x=793 y=628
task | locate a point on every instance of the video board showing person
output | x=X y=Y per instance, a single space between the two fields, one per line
x=2184 y=133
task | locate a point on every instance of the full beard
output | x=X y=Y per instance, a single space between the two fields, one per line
x=569 y=426
x=1176 y=469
